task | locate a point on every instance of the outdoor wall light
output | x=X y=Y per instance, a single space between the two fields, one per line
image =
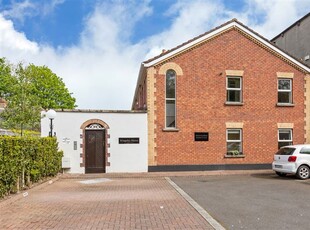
x=51 y=114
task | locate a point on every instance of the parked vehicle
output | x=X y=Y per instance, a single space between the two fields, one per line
x=293 y=159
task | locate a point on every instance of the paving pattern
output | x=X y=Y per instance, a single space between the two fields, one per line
x=116 y=203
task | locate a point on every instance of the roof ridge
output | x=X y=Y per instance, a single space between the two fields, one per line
x=192 y=39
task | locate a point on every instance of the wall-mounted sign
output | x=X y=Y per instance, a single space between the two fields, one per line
x=74 y=145
x=201 y=136
x=129 y=140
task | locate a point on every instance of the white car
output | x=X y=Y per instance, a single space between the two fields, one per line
x=293 y=159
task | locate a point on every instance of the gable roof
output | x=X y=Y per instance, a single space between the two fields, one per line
x=234 y=23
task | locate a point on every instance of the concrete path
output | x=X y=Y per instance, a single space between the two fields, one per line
x=114 y=203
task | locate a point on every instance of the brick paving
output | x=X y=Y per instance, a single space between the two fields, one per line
x=121 y=203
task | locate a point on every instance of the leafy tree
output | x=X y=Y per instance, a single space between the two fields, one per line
x=23 y=109
x=27 y=91
x=49 y=88
x=6 y=79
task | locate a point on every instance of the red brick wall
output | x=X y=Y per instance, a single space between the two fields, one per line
x=140 y=103
x=201 y=94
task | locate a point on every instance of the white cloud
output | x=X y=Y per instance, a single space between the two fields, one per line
x=13 y=43
x=278 y=15
x=101 y=70
x=192 y=18
x=20 y=10
x=48 y=7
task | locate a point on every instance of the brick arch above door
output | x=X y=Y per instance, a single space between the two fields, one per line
x=107 y=137
x=94 y=121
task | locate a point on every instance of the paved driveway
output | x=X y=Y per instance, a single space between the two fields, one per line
x=141 y=203
x=252 y=202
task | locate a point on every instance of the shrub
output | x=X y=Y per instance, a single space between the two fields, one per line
x=24 y=160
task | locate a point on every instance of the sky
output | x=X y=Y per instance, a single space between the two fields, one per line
x=97 y=46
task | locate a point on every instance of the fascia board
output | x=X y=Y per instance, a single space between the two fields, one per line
x=219 y=30
x=170 y=54
x=274 y=48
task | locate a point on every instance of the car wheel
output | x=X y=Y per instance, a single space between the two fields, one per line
x=303 y=172
x=281 y=174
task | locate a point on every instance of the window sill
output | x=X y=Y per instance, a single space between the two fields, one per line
x=234 y=103
x=234 y=156
x=171 y=130
x=285 y=105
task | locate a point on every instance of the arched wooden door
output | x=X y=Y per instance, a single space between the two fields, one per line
x=95 y=149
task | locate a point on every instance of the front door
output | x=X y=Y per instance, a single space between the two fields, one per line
x=94 y=151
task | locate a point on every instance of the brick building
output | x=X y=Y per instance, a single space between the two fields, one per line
x=227 y=99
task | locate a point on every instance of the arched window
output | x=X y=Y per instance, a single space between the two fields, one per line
x=170 y=99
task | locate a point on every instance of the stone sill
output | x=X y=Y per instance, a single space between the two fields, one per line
x=234 y=156
x=171 y=130
x=234 y=103
x=285 y=105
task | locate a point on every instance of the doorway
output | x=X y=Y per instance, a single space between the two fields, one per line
x=95 y=151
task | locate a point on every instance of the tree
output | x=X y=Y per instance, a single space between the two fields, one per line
x=27 y=91
x=49 y=88
x=23 y=109
x=6 y=79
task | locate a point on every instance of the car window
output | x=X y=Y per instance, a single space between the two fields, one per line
x=285 y=151
x=305 y=150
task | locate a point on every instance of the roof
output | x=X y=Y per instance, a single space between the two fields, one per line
x=291 y=26
x=234 y=23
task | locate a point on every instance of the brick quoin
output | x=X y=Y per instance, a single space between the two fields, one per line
x=201 y=96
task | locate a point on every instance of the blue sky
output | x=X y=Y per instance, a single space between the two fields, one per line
x=62 y=25
x=97 y=46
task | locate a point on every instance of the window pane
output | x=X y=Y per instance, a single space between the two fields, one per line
x=233 y=95
x=305 y=150
x=284 y=97
x=170 y=84
x=233 y=83
x=285 y=151
x=285 y=135
x=281 y=144
x=233 y=135
x=284 y=84
x=170 y=113
x=233 y=146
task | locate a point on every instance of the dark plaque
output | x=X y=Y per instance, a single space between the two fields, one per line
x=129 y=140
x=201 y=136
x=74 y=145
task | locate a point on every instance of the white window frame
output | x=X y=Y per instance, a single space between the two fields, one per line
x=230 y=141
x=234 y=89
x=286 y=90
x=171 y=99
x=291 y=136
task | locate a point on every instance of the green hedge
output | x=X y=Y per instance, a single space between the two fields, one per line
x=24 y=160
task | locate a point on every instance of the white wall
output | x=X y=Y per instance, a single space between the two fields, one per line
x=123 y=157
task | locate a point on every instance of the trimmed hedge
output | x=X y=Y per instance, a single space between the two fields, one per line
x=24 y=160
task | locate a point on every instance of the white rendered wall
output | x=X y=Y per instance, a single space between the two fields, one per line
x=123 y=157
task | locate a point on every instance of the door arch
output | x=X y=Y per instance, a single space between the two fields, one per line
x=95 y=146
